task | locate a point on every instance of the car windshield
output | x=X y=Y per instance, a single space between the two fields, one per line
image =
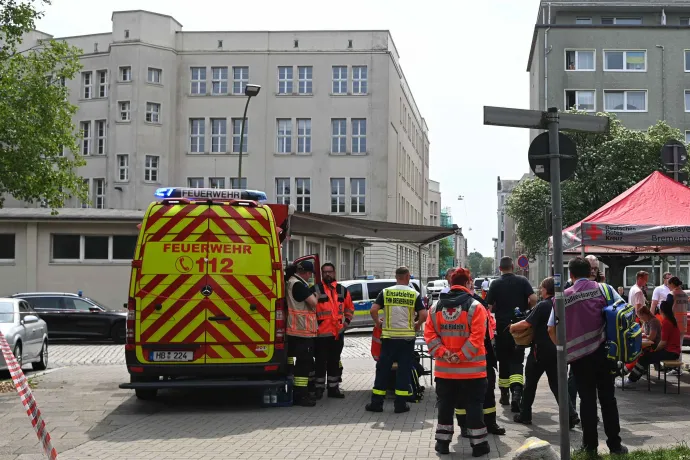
x=96 y=302
x=6 y=312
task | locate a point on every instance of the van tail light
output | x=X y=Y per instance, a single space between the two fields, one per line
x=131 y=315
x=280 y=320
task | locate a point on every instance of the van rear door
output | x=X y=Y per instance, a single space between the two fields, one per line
x=244 y=272
x=170 y=307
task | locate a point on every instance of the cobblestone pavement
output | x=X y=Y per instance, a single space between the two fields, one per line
x=90 y=418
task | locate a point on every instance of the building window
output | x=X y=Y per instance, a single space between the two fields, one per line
x=687 y=100
x=358 y=196
x=124 y=109
x=345 y=271
x=219 y=135
x=238 y=185
x=236 y=132
x=687 y=137
x=312 y=248
x=580 y=100
x=198 y=135
x=285 y=80
x=284 y=135
x=86 y=137
x=216 y=182
x=337 y=196
x=101 y=133
x=240 y=78
x=359 y=79
x=87 y=85
x=684 y=21
x=195 y=182
x=198 y=80
x=340 y=79
x=622 y=21
x=102 y=83
x=125 y=74
x=582 y=60
x=219 y=83
x=123 y=168
x=687 y=60
x=151 y=168
x=625 y=61
x=87 y=187
x=93 y=247
x=583 y=21
x=283 y=190
x=154 y=75
x=304 y=135
x=303 y=191
x=305 y=79
x=7 y=247
x=331 y=252
x=359 y=135
x=153 y=112
x=99 y=193
x=338 y=135
x=625 y=101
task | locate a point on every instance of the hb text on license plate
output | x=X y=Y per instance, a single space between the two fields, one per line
x=172 y=356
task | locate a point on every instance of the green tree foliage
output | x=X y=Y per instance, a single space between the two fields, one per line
x=446 y=256
x=608 y=165
x=487 y=266
x=474 y=263
x=35 y=115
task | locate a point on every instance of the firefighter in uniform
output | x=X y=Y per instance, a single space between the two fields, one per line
x=400 y=303
x=454 y=332
x=506 y=295
x=334 y=312
x=301 y=331
x=492 y=426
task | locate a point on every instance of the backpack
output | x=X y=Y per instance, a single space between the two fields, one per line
x=623 y=333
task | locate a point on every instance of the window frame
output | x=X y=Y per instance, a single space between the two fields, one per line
x=625 y=100
x=359 y=81
x=284 y=141
x=101 y=136
x=121 y=70
x=625 y=54
x=305 y=196
x=95 y=182
x=304 y=144
x=616 y=19
x=359 y=138
x=220 y=81
x=154 y=71
x=102 y=83
x=82 y=259
x=120 y=111
x=687 y=134
x=243 y=180
x=198 y=86
x=122 y=168
x=221 y=137
x=360 y=195
x=576 y=91
x=200 y=136
x=341 y=82
x=151 y=170
x=220 y=180
x=340 y=136
x=150 y=113
x=686 y=61
x=86 y=137
x=577 y=51
x=340 y=194
x=196 y=178
x=583 y=18
x=286 y=82
x=307 y=81
x=243 y=80
x=283 y=189
x=238 y=133
x=87 y=75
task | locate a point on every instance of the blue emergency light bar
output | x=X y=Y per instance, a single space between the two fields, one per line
x=211 y=193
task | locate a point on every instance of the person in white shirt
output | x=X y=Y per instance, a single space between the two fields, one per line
x=660 y=293
x=449 y=274
x=485 y=284
x=636 y=296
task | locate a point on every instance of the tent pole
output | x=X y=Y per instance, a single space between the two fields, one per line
x=582 y=242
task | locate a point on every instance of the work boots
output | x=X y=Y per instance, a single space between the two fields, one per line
x=480 y=450
x=442 y=447
x=505 y=397
x=303 y=399
x=515 y=403
x=335 y=393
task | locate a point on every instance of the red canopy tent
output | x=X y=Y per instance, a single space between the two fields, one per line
x=652 y=217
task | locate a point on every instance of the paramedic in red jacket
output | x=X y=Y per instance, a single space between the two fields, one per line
x=454 y=332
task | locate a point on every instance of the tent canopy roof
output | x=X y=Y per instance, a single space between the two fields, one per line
x=322 y=224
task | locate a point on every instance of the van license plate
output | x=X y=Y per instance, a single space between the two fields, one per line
x=172 y=356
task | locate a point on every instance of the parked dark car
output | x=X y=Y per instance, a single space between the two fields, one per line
x=73 y=316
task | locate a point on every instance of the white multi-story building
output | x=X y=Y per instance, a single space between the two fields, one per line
x=334 y=130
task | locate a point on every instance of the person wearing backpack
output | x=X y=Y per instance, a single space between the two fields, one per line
x=588 y=355
x=668 y=348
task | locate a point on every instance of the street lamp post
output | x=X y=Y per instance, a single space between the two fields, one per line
x=249 y=91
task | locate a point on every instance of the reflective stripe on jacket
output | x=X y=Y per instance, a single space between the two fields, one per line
x=301 y=321
x=585 y=327
x=333 y=301
x=457 y=323
x=398 y=309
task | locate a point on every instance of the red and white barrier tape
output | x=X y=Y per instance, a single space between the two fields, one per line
x=22 y=386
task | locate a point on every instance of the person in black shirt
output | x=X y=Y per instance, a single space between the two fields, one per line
x=542 y=356
x=506 y=295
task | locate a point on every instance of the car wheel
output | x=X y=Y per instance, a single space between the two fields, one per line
x=43 y=363
x=119 y=332
x=145 y=394
x=18 y=354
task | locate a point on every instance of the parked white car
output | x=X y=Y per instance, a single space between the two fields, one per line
x=26 y=333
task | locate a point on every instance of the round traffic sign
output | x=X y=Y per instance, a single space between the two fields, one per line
x=540 y=163
x=669 y=150
x=523 y=261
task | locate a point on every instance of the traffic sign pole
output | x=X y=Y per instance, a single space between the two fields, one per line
x=557 y=226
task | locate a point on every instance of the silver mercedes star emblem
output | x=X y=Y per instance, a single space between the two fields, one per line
x=206 y=290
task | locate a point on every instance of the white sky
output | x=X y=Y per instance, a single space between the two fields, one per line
x=457 y=58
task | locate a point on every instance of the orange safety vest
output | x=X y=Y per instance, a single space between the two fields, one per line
x=492 y=325
x=457 y=323
x=376 y=343
x=334 y=304
x=301 y=321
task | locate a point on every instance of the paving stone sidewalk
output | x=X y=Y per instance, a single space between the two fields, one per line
x=90 y=418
